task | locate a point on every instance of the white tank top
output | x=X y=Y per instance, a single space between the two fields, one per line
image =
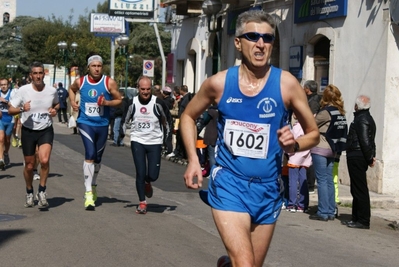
x=146 y=127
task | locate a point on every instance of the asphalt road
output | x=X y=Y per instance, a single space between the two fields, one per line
x=177 y=230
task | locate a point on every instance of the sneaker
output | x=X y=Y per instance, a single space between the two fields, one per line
x=36 y=176
x=2 y=165
x=19 y=143
x=94 y=191
x=171 y=155
x=41 y=199
x=142 y=208
x=14 y=141
x=89 y=201
x=291 y=209
x=148 y=190
x=336 y=212
x=300 y=209
x=283 y=207
x=224 y=261
x=6 y=159
x=29 y=201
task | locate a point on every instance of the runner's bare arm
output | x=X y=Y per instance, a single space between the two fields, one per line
x=294 y=98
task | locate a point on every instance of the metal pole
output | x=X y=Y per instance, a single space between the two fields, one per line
x=126 y=69
x=55 y=69
x=112 y=57
x=65 y=68
x=162 y=54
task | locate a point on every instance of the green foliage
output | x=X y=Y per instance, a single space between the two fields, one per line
x=29 y=39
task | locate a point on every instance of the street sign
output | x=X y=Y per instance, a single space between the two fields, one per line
x=148 y=68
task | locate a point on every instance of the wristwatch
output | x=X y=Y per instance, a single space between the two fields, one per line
x=21 y=109
x=296 y=147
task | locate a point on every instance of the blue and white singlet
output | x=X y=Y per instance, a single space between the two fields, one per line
x=89 y=112
x=247 y=128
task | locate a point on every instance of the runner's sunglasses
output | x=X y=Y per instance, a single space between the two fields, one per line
x=255 y=36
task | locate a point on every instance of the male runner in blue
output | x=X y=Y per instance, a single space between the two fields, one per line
x=98 y=93
x=253 y=100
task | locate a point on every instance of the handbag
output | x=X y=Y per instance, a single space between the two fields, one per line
x=71 y=122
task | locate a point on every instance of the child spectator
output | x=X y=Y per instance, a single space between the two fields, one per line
x=298 y=163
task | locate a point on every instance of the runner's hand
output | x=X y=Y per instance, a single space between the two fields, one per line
x=193 y=176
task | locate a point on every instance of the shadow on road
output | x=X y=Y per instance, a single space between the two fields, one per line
x=156 y=208
x=101 y=200
x=7 y=235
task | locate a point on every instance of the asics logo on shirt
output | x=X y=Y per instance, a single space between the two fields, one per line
x=233 y=100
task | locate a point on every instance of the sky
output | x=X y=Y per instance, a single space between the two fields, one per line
x=60 y=8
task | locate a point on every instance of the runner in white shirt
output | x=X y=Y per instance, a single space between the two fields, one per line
x=37 y=103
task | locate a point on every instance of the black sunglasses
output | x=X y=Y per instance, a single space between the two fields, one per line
x=254 y=37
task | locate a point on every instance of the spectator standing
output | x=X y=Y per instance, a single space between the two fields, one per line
x=62 y=96
x=297 y=164
x=360 y=155
x=118 y=114
x=98 y=93
x=149 y=124
x=310 y=88
x=180 y=152
x=75 y=113
x=211 y=134
x=332 y=125
x=169 y=102
x=37 y=104
x=245 y=187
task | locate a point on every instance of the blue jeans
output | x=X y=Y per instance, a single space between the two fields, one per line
x=117 y=124
x=147 y=160
x=325 y=185
x=298 y=188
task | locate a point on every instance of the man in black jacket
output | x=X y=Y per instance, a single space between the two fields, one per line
x=360 y=155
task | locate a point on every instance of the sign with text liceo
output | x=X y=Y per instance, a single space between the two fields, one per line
x=143 y=9
x=103 y=23
x=314 y=10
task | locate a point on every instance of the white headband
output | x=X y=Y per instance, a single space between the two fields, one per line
x=94 y=58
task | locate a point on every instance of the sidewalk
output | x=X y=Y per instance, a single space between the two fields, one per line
x=383 y=206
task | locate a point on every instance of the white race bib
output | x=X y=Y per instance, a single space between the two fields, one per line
x=40 y=118
x=247 y=139
x=93 y=110
x=143 y=125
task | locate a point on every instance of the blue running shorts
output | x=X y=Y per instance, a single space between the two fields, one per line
x=259 y=197
x=7 y=127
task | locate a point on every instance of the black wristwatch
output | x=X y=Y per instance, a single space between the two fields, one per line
x=296 y=147
x=21 y=109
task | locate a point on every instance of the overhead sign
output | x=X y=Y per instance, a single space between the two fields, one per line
x=143 y=9
x=148 y=68
x=314 y=10
x=103 y=23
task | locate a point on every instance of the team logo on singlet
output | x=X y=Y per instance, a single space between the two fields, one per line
x=93 y=93
x=266 y=106
x=143 y=110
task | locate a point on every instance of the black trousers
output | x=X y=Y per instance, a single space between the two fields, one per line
x=357 y=168
x=64 y=113
x=311 y=177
